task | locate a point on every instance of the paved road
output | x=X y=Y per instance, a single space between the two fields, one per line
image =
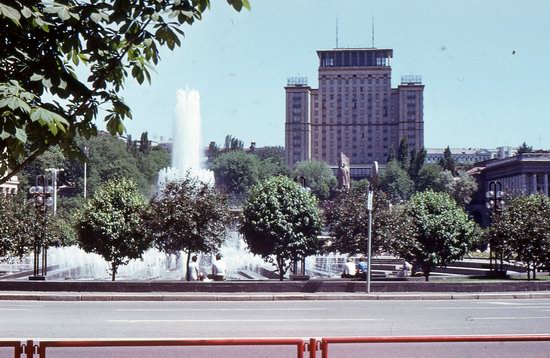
x=57 y=320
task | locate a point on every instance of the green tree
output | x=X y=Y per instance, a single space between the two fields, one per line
x=280 y=222
x=233 y=143
x=524 y=148
x=44 y=99
x=429 y=178
x=272 y=161
x=360 y=185
x=416 y=163
x=108 y=159
x=522 y=231
x=144 y=143
x=236 y=172
x=439 y=231
x=403 y=154
x=149 y=164
x=21 y=225
x=213 y=151
x=461 y=187
x=396 y=182
x=447 y=162
x=111 y=224
x=271 y=152
x=188 y=215
x=318 y=175
x=346 y=218
x=391 y=155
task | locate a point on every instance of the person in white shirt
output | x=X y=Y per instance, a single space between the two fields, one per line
x=350 y=270
x=218 y=269
x=193 y=269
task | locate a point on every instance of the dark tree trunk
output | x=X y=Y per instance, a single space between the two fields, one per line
x=426 y=268
x=113 y=270
x=280 y=263
x=187 y=273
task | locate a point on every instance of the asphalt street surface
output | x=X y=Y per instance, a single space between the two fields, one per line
x=298 y=319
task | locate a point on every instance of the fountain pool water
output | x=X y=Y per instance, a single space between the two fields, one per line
x=187 y=159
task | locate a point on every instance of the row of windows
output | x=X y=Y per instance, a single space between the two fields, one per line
x=354 y=81
x=354 y=77
x=354 y=58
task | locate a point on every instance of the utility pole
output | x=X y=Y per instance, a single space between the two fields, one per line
x=86 y=152
x=373 y=182
x=54 y=172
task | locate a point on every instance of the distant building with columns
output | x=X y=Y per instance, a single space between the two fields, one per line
x=469 y=156
x=523 y=174
x=10 y=187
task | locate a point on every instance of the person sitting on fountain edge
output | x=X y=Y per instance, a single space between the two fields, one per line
x=350 y=271
x=362 y=268
x=218 y=269
x=193 y=270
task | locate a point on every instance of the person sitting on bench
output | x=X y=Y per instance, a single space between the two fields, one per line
x=350 y=271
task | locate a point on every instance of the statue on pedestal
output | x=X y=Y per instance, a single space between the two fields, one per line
x=343 y=172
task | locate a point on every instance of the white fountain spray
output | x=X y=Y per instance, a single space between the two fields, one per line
x=187 y=150
x=187 y=159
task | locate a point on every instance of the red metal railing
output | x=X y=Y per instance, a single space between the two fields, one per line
x=16 y=345
x=299 y=343
x=325 y=342
x=30 y=348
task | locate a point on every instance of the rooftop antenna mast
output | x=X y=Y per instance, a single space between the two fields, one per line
x=336 y=32
x=373 y=31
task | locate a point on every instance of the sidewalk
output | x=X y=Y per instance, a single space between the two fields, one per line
x=167 y=296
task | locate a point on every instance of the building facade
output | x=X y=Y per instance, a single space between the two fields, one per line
x=354 y=111
x=469 y=156
x=10 y=187
x=523 y=174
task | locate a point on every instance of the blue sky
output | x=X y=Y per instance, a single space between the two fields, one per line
x=478 y=92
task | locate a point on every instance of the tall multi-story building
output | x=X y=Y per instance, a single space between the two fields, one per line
x=354 y=111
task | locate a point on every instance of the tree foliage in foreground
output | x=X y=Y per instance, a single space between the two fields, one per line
x=346 y=218
x=280 y=222
x=111 y=224
x=396 y=183
x=60 y=61
x=236 y=172
x=319 y=177
x=20 y=225
x=522 y=231
x=188 y=215
x=24 y=225
x=439 y=231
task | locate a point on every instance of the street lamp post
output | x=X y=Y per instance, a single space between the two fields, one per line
x=370 y=197
x=41 y=192
x=495 y=203
x=54 y=172
x=86 y=152
x=301 y=180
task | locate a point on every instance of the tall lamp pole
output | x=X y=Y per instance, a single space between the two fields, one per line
x=370 y=197
x=41 y=193
x=86 y=151
x=54 y=172
x=495 y=203
x=303 y=184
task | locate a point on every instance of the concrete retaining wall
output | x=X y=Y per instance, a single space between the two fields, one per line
x=273 y=286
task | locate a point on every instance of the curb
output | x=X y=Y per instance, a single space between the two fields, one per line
x=269 y=297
